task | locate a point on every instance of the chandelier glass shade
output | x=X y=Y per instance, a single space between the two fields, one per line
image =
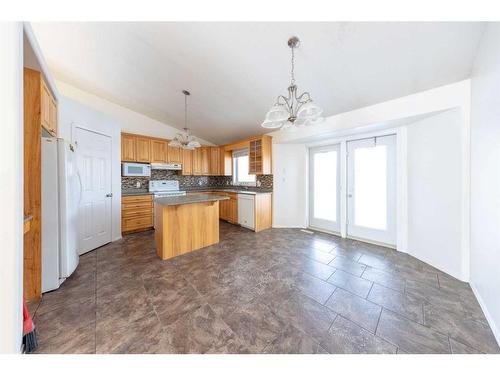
x=185 y=140
x=294 y=110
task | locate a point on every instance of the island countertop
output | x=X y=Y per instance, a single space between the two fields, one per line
x=187 y=199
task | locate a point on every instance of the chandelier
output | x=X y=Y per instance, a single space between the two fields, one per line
x=185 y=140
x=288 y=113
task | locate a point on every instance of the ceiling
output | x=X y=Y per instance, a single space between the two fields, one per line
x=235 y=70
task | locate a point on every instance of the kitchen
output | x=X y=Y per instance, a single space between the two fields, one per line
x=152 y=226
x=175 y=171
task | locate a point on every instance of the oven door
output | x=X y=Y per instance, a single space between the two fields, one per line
x=136 y=170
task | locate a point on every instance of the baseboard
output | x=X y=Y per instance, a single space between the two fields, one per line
x=491 y=322
x=117 y=238
x=288 y=226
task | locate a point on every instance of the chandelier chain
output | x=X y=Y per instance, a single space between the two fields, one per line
x=292 y=82
x=185 y=110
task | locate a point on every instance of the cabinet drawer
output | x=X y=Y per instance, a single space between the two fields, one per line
x=137 y=206
x=137 y=198
x=145 y=212
x=136 y=223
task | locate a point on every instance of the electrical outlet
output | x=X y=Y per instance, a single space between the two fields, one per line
x=138 y=184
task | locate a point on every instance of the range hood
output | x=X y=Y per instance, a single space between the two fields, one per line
x=167 y=166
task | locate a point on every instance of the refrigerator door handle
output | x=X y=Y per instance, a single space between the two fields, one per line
x=81 y=188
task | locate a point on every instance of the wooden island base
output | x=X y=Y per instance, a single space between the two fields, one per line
x=182 y=228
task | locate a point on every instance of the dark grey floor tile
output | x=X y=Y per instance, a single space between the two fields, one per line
x=347 y=265
x=305 y=314
x=351 y=283
x=316 y=269
x=386 y=279
x=462 y=328
x=201 y=331
x=459 y=348
x=319 y=256
x=351 y=254
x=77 y=341
x=345 y=337
x=313 y=287
x=292 y=341
x=322 y=244
x=360 y=311
x=375 y=261
x=411 y=337
x=144 y=335
x=256 y=325
x=65 y=319
x=406 y=305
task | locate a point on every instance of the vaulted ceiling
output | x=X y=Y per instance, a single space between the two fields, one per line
x=235 y=70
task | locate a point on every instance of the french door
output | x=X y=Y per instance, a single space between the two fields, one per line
x=371 y=189
x=94 y=170
x=324 y=205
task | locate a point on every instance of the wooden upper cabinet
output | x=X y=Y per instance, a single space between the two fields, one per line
x=260 y=158
x=174 y=154
x=128 y=147
x=205 y=160
x=225 y=162
x=158 y=151
x=187 y=162
x=214 y=165
x=53 y=116
x=48 y=109
x=143 y=149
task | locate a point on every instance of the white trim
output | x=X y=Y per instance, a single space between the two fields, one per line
x=402 y=189
x=466 y=189
x=489 y=318
x=30 y=35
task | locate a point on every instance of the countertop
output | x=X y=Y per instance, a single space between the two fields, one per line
x=187 y=199
x=200 y=190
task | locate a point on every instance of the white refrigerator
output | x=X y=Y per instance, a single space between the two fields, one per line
x=61 y=192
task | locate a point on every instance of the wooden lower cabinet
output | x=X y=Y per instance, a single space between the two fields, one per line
x=137 y=213
x=263 y=211
x=229 y=208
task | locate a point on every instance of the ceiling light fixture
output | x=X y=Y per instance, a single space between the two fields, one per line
x=288 y=113
x=185 y=140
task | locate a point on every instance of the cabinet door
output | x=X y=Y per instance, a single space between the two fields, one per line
x=205 y=161
x=53 y=116
x=174 y=154
x=214 y=161
x=233 y=210
x=255 y=157
x=158 y=151
x=128 y=147
x=45 y=105
x=197 y=162
x=143 y=149
x=187 y=162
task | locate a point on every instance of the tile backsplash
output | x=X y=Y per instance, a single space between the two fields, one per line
x=186 y=182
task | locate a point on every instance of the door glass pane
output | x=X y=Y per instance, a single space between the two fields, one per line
x=370 y=187
x=325 y=185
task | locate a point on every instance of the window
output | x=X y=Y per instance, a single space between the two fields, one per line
x=240 y=169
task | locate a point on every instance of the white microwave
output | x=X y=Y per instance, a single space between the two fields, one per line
x=136 y=170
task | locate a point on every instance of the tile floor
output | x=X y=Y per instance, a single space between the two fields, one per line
x=278 y=291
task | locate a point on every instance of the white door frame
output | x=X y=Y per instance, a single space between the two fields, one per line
x=401 y=179
x=325 y=225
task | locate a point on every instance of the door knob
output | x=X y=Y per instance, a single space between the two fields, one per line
x=109 y=195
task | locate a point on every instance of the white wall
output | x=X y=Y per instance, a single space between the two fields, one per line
x=129 y=121
x=73 y=113
x=485 y=176
x=11 y=191
x=289 y=185
x=435 y=172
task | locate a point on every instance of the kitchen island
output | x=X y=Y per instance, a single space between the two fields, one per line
x=186 y=223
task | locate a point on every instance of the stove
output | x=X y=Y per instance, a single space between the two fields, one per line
x=165 y=188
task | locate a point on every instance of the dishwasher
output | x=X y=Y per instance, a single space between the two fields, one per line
x=246 y=210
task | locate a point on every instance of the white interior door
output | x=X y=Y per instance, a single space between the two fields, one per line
x=94 y=209
x=324 y=192
x=371 y=189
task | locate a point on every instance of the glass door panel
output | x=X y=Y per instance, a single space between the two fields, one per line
x=324 y=207
x=371 y=189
